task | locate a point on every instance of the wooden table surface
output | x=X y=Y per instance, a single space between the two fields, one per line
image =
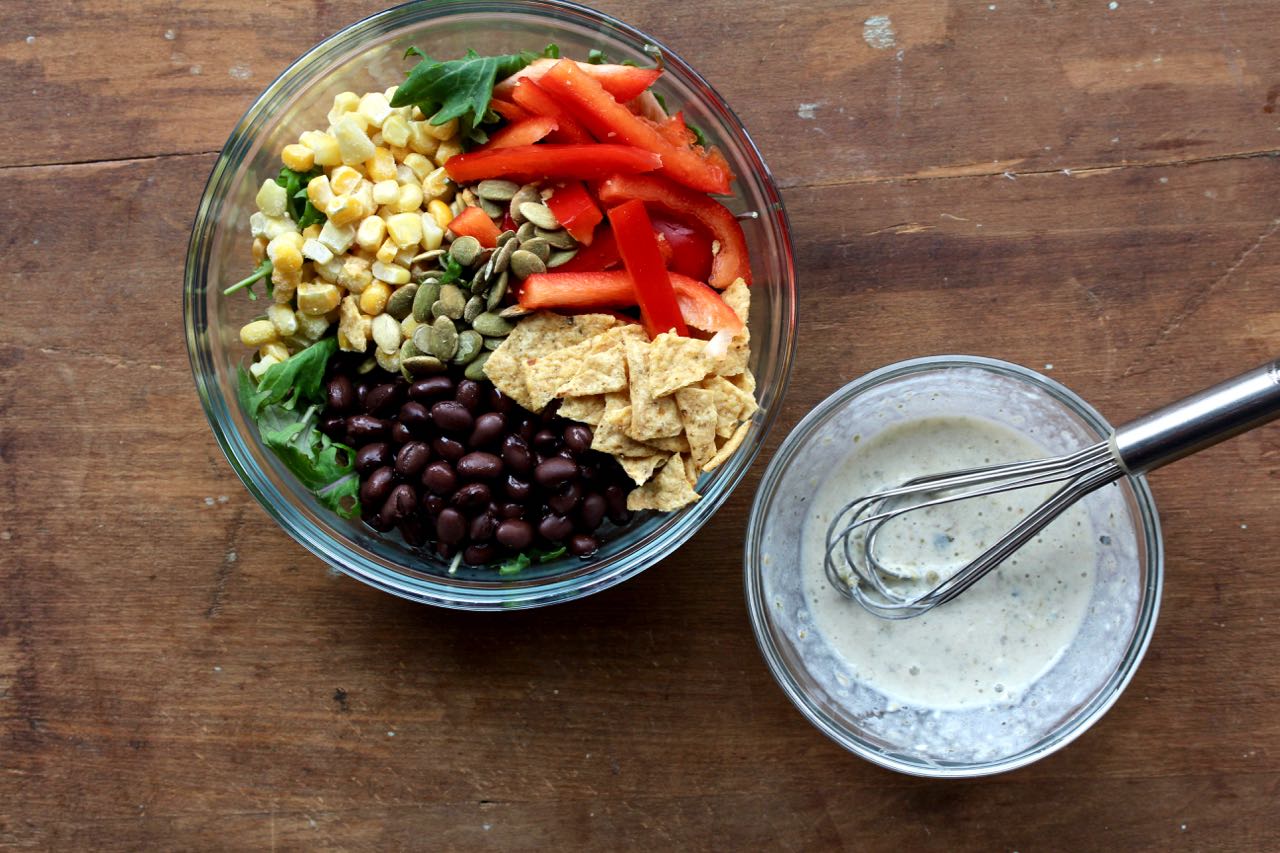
x=1084 y=187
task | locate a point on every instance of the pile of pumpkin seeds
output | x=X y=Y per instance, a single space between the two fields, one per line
x=461 y=321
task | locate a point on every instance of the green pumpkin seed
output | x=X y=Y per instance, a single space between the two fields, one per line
x=400 y=305
x=421 y=366
x=505 y=237
x=367 y=365
x=465 y=250
x=470 y=345
x=539 y=246
x=539 y=214
x=527 y=194
x=497 y=292
x=442 y=339
x=475 y=370
x=493 y=343
x=557 y=239
x=492 y=209
x=495 y=190
x=525 y=264
x=426 y=296
x=429 y=255
x=479 y=280
x=513 y=311
x=450 y=303
x=562 y=256
x=503 y=256
x=474 y=308
x=527 y=231
x=422 y=338
x=409 y=349
x=491 y=325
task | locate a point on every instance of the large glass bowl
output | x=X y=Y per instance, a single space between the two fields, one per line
x=368 y=56
x=1074 y=692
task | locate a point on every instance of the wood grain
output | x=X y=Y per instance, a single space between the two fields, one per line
x=175 y=673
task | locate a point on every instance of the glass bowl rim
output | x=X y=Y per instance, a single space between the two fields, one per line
x=1082 y=719
x=321 y=540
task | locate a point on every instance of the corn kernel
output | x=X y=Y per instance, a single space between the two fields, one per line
x=376 y=139
x=330 y=269
x=389 y=362
x=440 y=212
x=259 y=249
x=351 y=336
x=326 y=148
x=345 y=180
x=282 y=319
x=386 y=333
x=320 y=191
x=355 y=275
x=420 y=141
x=353 y=142
x=298 y=157
x=285 y=254
x=271 y=198
x=404 y=257
x=395 y=131
x=314 y=250
x=387 y=252
x=311 y=328
x=398 y=152
x=337 y=237
x=344 y=210
x=275 y=350
x=410 y=199
x=257 y=333
x=375 y=108
x=420 y=165
x=391 y=95
x=408 y=325
x=386 y=192
x=371 y=233
x=448 y=149
x=261 y=225
x=448 y=130
x=317 y=298
x=381 y=166
x=374 y=298
x=343 y=103
x=435 y=184
x=390 y=273
x=364 y=195
x=432 y=233
x=260 y=366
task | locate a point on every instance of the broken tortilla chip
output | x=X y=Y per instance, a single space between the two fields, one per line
x=640 y=468
x=588 y=410
x=669 y=490
x=650 y=417
x=726 y=450
x=698 y=414
x=676 y=362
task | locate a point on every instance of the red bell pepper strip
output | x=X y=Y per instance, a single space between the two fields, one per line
x=731 y=261
x=525 y=132
x=533 y=99
x=602 y=254
x=508 y=110
x=690 y=247
x=575 y=210
x=624 y=82
x=700 y=306
x=474 y=222
x=638 y=246
x=675 y=131
x=532 y=162
x=610 y=121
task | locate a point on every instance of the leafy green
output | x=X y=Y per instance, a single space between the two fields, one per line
x=662 y=102
x=262 y=271
x=299 y=207
x=524 y=559
x=699 y=137
x=302 y=374
x=452 y=270
x=548 y=556
x=459 y=88
x=595 y=56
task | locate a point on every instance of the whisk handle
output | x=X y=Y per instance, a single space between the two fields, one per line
x=1203 y=419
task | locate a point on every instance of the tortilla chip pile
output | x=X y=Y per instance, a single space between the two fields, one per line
x=666 y=409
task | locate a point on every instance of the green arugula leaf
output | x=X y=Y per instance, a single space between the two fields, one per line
x=262 y=271
x=452 y=271
x=595 y=56
x=298 y=206
x=459 y=88
x=548 y=556
x=699 y=137
x=300 y=377
x=662 y=102
x=515 y=565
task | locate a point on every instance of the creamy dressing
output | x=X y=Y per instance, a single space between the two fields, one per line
x=994 y=641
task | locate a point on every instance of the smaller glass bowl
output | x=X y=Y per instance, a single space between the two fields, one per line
x=1069 y=697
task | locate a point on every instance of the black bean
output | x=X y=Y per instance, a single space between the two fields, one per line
x=448 y=448
x=382 y=399
x=431 y=388
x=363 y=429
x=439 y=478
x=416 y=417
x=479 y=555
x=400 y=504
x=564 y=501
x=488 y=430
x=373 y=456
x=479 y=466
x=616 y=500
x=452 y=416
x=377 y=522
x=527 y=428
x=545 y=440
x=555 y=528
x=469 y=394
x=582 y=545
x=591 y=512
x=515 y=452
x=471 y=497
x=500 y=402
x=512 y=510
x=362 y=391
x=517 y=489
x=483 y=527
x=566 y=453
x=340 y=394
x=400 y=433
x=451 y=527
x=433 y=505
x=412 y=458
x=334 y=426
x=577 y=437
x=555 y=471
x=412 y=531
x=374 y=490
x=514 y=534
x=445 y=550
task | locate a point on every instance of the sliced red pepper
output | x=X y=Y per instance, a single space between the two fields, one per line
x=534 y=99
x=624 y=82
x=638 y=246
x=524 y=132
x=576 y=210
x=602 y=254
x=675 y=131
x=731 y=261
x=690 y=247
x=531 y=162
x=474 y=222
x=610 y=121
x=508 y=110
x=700 y=306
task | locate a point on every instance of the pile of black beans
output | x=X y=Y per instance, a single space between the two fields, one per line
x=457 y=466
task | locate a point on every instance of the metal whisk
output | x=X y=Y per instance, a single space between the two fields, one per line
x=1156 y=439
